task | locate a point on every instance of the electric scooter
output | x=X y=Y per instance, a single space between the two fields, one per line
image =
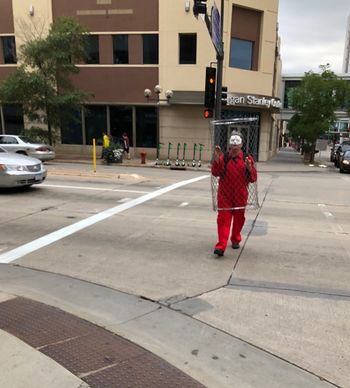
x=183 y=163
x=194 y=155
x=168 y=163
x=177 y=163
x=200 y=155
x=158 y=151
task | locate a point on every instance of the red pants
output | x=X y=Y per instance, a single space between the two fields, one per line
x=224 y=221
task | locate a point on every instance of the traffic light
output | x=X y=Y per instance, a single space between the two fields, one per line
x=224 y=95
x=208 y=113
x=210 y=83
x=199 y=6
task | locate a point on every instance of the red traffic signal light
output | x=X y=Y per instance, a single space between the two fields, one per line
x=208 y=113
x=210 y=86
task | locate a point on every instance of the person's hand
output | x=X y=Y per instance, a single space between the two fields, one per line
x=217 y=152
x=248 y=164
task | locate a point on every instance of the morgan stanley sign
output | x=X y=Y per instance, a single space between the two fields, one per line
x=253 y=101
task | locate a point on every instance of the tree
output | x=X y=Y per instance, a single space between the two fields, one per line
x=315 y=101
x=42 y=83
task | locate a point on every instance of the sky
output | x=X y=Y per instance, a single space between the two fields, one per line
x=312 y=33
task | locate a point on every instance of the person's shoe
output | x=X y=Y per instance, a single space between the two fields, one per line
x=235 y=246
x=218 y=252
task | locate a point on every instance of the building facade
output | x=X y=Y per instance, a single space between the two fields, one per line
x=135 y=45
x=340 y=126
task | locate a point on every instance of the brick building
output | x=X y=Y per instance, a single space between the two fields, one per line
x=135 y=45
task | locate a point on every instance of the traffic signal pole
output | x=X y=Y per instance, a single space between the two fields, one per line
x=220 y=65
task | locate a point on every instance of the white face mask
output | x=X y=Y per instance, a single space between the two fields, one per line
x=235 y=140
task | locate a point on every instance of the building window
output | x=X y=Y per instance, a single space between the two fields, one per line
x=71 y=128
x=146 y=127
x=188 y=49
x=92 y=49
x=288 y=86
x=241 y=54
x=150 y=49
x=121 y=121
x=95 y=123
x=9 y=49
x=245 y=38
x=120 y=49
x=13 y=118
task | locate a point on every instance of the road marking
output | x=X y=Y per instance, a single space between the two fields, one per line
x=328 y=214
x=124 y=200
x=94 y=188
x=183 y=204
x=50 y=238
x=336 y=228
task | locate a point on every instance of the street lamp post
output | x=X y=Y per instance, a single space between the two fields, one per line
x=158 y=90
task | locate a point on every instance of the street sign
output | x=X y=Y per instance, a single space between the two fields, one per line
x=216 y=28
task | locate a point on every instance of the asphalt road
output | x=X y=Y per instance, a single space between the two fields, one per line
x=286 y=292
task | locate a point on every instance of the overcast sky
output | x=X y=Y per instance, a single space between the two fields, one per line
x=312 y=33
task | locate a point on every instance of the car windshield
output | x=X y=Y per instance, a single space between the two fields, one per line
x=27 y=140
x=347 y=155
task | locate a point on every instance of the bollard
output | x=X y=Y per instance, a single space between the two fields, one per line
x=143 y=157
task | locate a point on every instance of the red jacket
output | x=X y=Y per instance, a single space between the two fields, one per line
x=233 y=191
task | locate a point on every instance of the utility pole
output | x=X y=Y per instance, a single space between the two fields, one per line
x=215 y=26
x=220 y=62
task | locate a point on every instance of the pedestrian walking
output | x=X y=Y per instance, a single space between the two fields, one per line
x=235 y=172
x=126 y=144
x=105 y=144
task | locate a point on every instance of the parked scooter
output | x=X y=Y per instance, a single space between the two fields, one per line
x=158 y=152
x=194 y=155
x=183 y=163
x=199 y=164
x=168 y=163
x=177 y=163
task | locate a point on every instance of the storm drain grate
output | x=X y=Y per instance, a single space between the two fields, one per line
x=100 y=358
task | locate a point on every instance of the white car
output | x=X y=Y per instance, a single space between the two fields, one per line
x=20 y=170
x=23 y=145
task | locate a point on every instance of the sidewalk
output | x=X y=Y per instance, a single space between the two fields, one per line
x=286 y=160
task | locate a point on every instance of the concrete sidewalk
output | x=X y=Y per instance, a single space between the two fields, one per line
x=282 y=319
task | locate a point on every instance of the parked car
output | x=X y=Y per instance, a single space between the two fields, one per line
x=344 y=164
x=24 y=145
x=340 y=152
x=20 y=170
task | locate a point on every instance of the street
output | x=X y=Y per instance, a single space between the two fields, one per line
x=149 y=233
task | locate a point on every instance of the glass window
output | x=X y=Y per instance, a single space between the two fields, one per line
x=146 y=127
x=71 y=128
x=241 y=54
x=13 y=117
x=150 y=49
x=92 y=49
x=288 y=86
x=188 y=48
x=9 y=49
x=121 y=121
x=95 y=123
x=120 y=49
x=8 y=140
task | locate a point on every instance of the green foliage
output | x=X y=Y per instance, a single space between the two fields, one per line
x=315 y=101
x=40 y=135
x=42 y=84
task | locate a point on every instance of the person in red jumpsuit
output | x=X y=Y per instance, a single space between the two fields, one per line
x=232 y=194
